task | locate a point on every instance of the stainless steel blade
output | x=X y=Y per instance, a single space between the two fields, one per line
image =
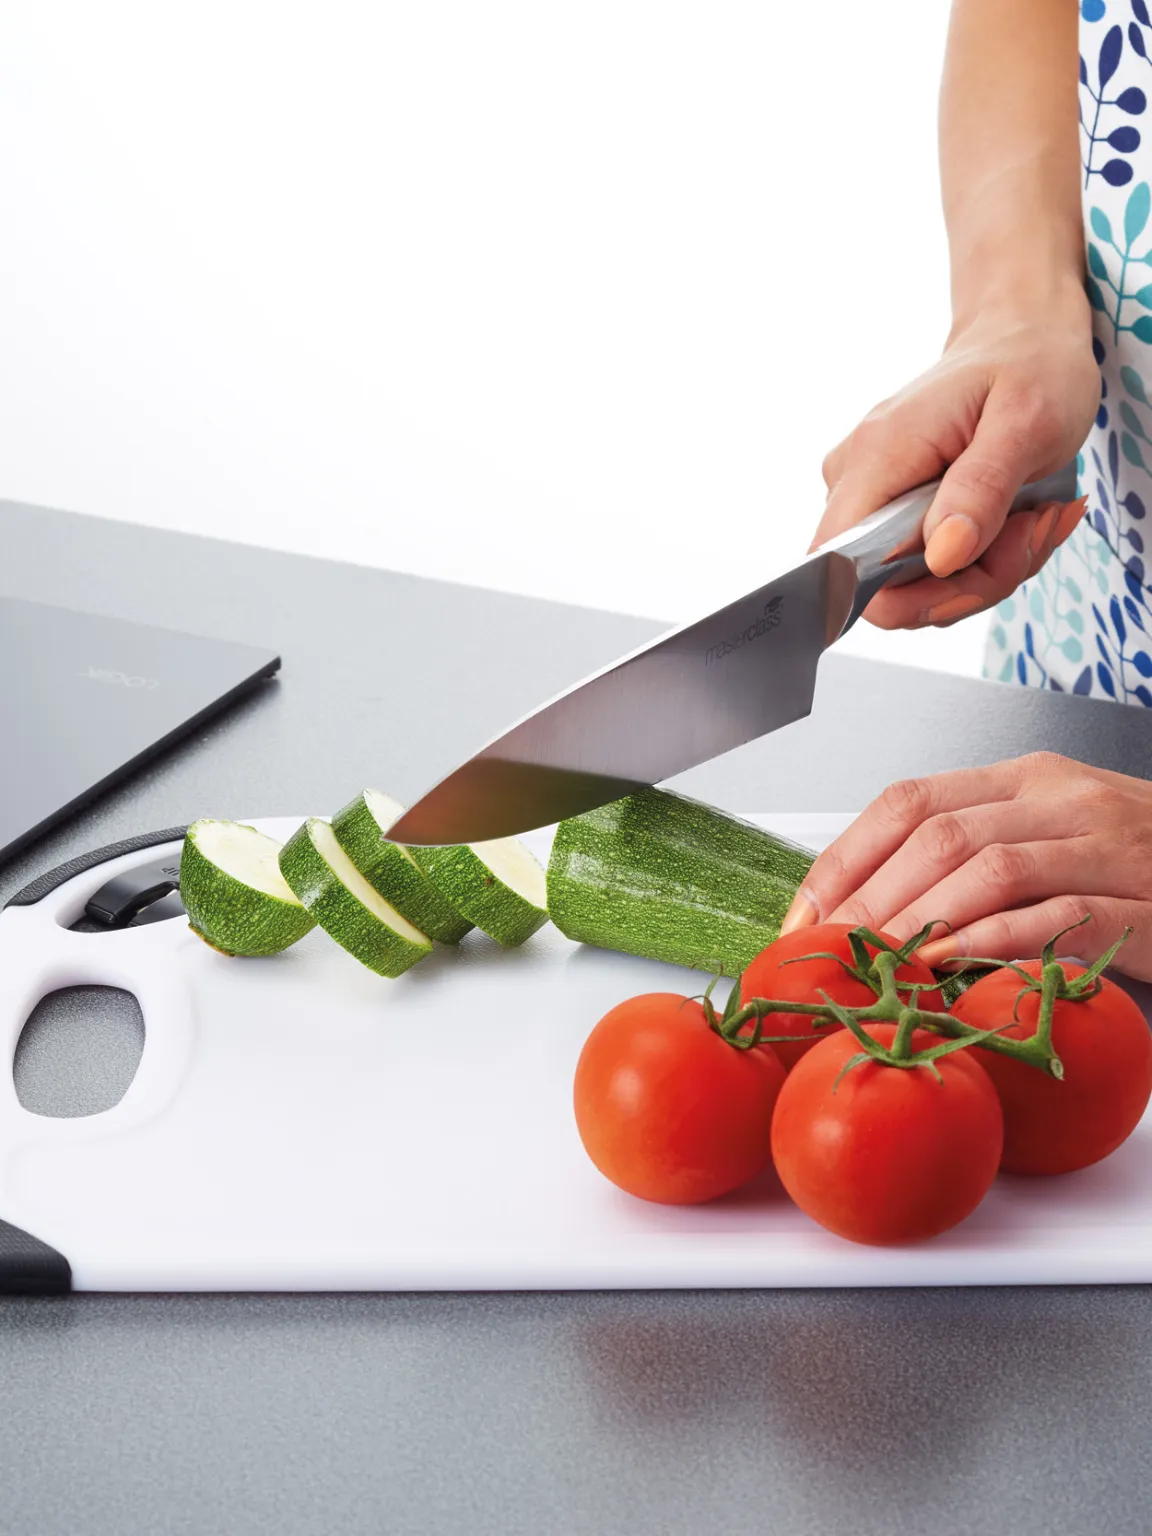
x=689 y=695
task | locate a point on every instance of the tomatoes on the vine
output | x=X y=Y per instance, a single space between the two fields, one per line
x=669 y=1110
x=887 y=1154
x=779 y=972
x=1105 y=1045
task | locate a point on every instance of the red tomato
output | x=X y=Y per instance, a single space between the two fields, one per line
x=770 y=976
x=1053 y=1126
x=668 y=1110
x=893 y=1155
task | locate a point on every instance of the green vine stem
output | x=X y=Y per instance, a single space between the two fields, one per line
x=889 y=1008
x=879 y=973
x=864 y=968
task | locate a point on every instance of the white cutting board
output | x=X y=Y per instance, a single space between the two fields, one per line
x=297 y=1123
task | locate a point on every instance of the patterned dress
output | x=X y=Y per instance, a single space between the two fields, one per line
x=1084 y=623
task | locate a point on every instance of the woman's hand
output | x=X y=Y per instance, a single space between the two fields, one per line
x=1012 y=399
x=1008 y=855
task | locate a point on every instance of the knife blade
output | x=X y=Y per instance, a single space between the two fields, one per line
x=693 y=693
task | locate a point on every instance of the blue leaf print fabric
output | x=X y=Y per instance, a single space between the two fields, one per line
x=1084 y=624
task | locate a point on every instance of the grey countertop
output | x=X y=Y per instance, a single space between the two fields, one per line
x=962 y=1411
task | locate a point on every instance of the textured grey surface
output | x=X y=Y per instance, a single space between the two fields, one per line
x=78 y=1052
x=908 y=1413
x=961 y=1413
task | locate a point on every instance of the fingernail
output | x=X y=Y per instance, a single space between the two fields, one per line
x=953 y=544
x=1042 y=528
x=954 y=947
x=1069 y=519
x=801 y=914
x=954 y=608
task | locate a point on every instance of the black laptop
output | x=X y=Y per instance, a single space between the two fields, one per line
x=84 y=700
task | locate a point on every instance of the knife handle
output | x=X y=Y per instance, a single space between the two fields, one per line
x=873 y=545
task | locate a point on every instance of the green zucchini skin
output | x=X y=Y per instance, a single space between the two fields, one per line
x=340 y=912
x=230 y=916
x=669 y=878
x=393 y=872
x=463 y=878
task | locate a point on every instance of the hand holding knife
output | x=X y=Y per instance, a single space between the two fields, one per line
x=691 y=694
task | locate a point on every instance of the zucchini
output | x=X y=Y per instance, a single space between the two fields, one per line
x=233 y=892
x=669 y=878
x=390 y=868
x=499 y=886
x=345 y=905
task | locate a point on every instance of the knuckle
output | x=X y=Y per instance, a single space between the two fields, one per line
x=827 y=875
x=1093 y=800
x=998 y=936
x=873 y=433
x=831 y=465
x=943 y=839
x=1030 y=408
x=1005 y=868
x=858 y=914
x=1067 y=911
x=982 y=478
x=1042 y=764
x=906 y=801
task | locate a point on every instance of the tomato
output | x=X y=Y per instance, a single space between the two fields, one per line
x=802 y=982
x=667 y=1109
x=889 y=1154
x=1053 y=1126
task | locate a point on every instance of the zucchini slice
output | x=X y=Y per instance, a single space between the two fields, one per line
x=390 y=869
x=232 y=889
x=346 y=906
x=499 y=886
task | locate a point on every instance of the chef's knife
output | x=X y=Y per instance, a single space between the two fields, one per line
x=689 y=695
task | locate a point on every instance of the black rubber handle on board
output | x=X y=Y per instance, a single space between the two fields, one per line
x=133 y=891
x=44 y=885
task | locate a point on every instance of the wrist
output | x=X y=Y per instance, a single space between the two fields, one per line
x=1007 y=298
x=1016 y=246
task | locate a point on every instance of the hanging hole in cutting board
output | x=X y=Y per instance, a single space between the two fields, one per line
x=78 y=1052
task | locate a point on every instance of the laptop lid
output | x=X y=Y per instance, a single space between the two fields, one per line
x=84 y=700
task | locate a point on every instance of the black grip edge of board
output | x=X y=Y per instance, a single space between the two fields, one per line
x=29 y=1267
x=45 y=884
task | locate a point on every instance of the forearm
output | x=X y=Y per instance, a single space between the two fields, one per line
x=1010 y=159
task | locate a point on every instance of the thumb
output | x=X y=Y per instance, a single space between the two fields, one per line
x=977 y=491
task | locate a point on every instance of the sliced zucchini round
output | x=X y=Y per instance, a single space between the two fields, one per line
x=339 y=898
x=232 y=889
x=499 y=886
x=391 y=870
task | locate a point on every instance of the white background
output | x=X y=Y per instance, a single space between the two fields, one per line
x=560 y=299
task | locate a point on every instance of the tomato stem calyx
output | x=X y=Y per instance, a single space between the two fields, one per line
x=878 y=973
x=864 y=969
